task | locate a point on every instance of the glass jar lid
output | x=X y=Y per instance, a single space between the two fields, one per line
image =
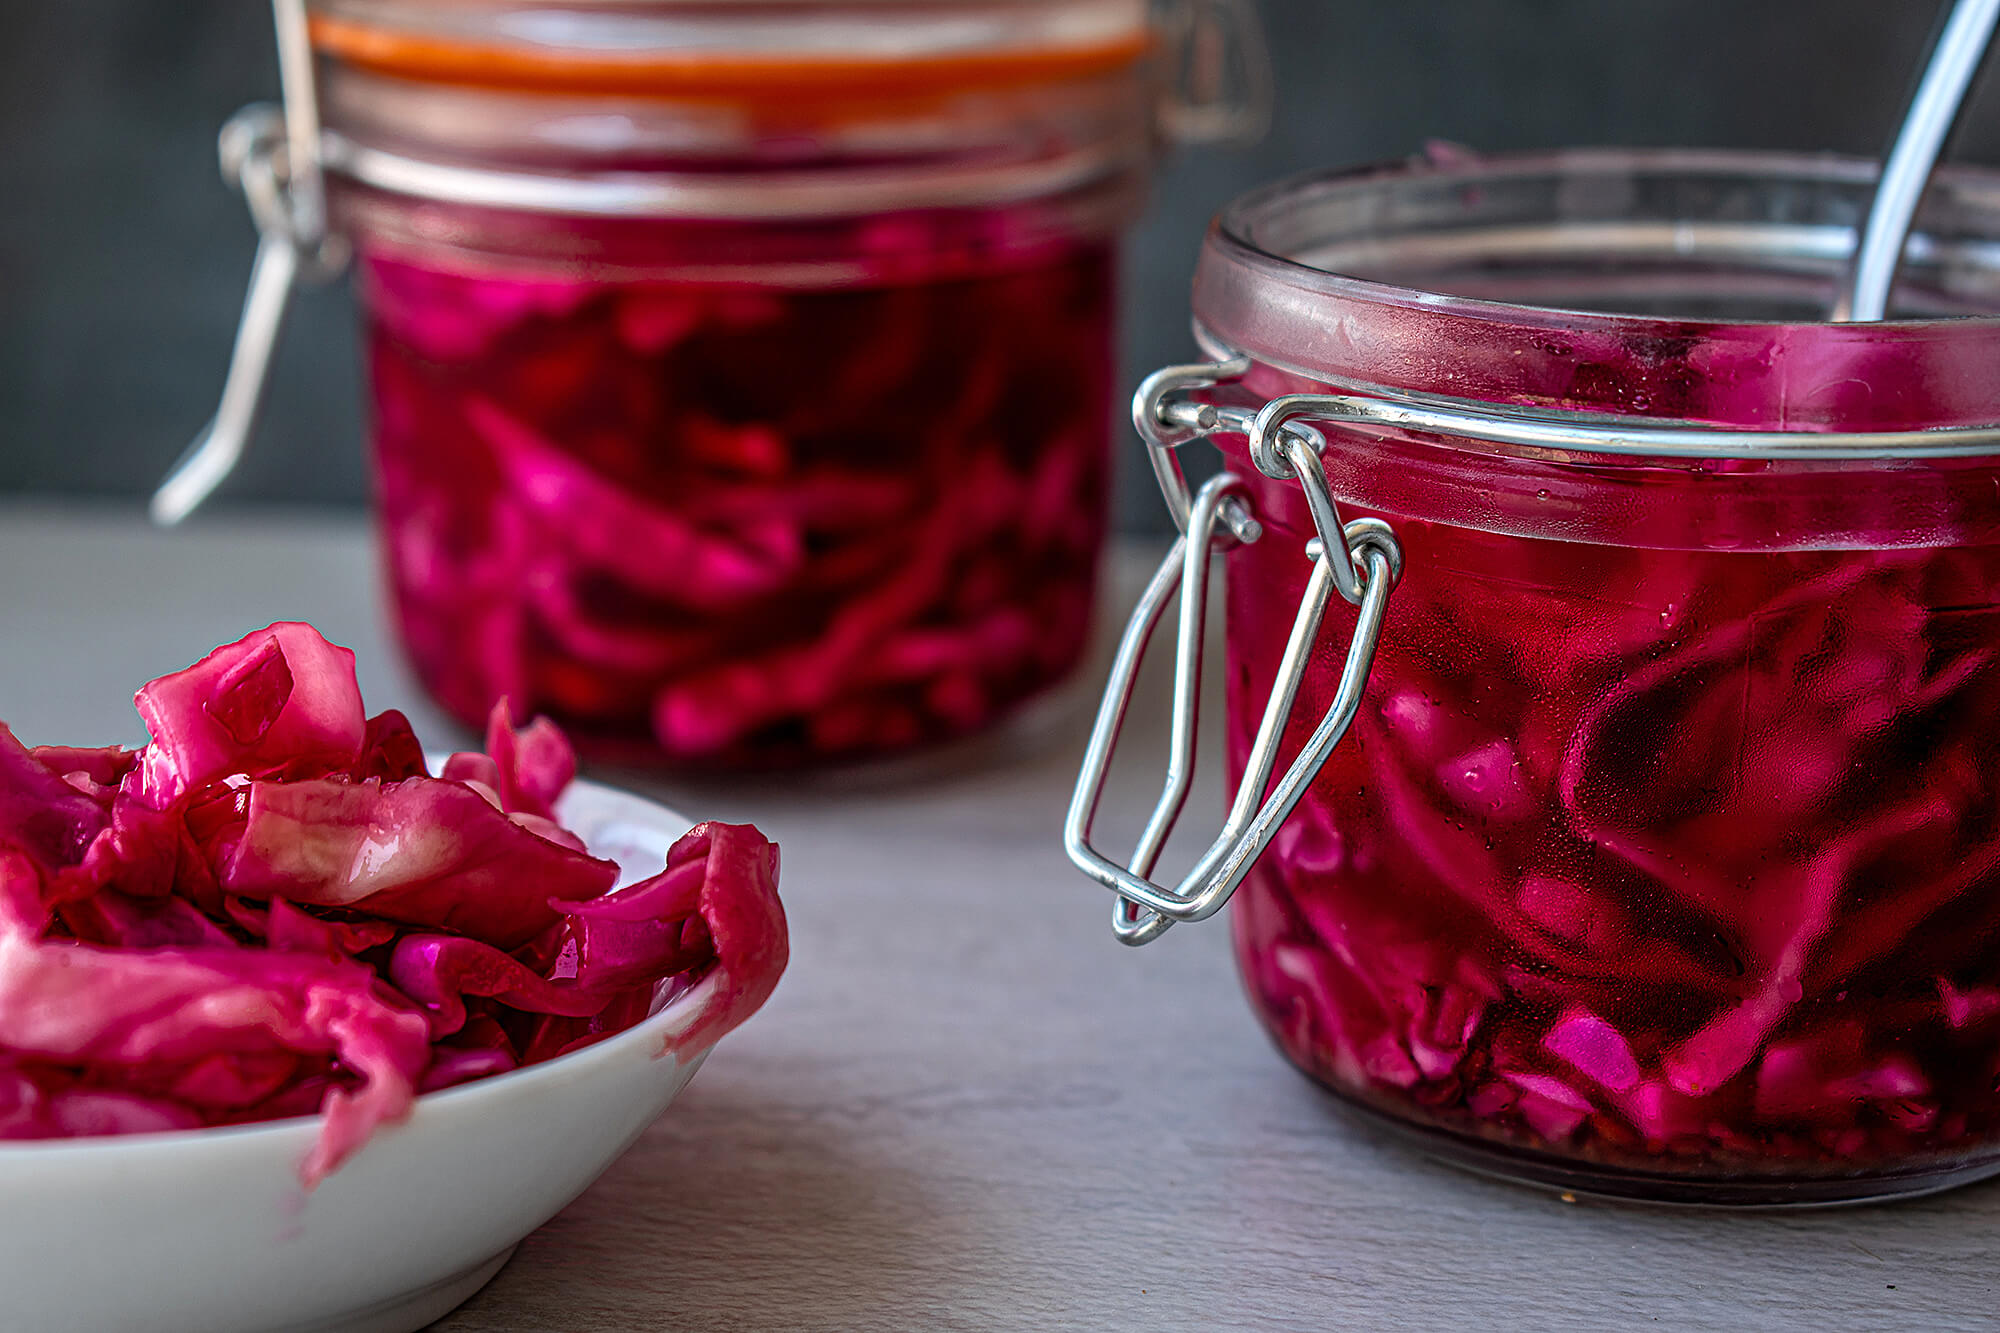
x=745 y=108
x=743 y=50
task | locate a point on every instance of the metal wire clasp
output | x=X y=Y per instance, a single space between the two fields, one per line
x=1218 y=86
x=1361 y=560
x=273 y=157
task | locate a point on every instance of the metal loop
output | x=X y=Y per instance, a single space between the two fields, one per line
x=273 y=157
x=1146 y=909
x=1219 y=85
x=1311 y=474
x=1361 y=559
x=255 y=152
x=251 y=147
x=1274 y=432
x=1129 y=921
x=1366 y=535
x=1166 y=418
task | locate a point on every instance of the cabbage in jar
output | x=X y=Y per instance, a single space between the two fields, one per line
x=1661 y=857
x=740 y=378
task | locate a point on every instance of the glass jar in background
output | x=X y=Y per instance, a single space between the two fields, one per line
x=741 y=373
x=1661 y=854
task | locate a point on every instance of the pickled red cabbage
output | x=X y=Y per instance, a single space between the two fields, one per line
x=1677 y=861
x=742 y=524
x=273 y=909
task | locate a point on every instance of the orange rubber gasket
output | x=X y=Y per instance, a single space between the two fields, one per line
x=708 y=77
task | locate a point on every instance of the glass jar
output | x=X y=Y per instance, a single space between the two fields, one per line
x=740 y=372
x=1659 y=854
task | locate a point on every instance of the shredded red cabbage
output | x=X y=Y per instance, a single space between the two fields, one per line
x=1678 y=860
x=744 y=525
x=273 y=909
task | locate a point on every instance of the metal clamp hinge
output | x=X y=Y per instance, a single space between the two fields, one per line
x=1218 y=85
x=1362 y=561
x=273 y=157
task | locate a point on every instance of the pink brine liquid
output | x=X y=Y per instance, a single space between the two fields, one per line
x=738 y=524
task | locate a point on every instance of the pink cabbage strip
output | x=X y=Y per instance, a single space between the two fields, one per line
x=424 y=851
x=281 y=695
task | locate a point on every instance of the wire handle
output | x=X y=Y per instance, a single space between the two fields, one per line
x=273 y=157
x=1363 y=562
x=1933 y=111
x=1219 y=82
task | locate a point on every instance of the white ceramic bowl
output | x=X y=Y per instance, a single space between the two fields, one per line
x=209 y=1231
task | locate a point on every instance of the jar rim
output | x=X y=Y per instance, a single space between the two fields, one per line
x=1232 y=233
x=1614 y=301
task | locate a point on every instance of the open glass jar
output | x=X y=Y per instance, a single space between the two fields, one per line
x=1640 y=836
x=740 y=371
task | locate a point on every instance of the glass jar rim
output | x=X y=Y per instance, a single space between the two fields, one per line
x=1231 y=233
x=1284 y=279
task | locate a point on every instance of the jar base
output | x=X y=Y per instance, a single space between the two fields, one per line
x=1573 y=1180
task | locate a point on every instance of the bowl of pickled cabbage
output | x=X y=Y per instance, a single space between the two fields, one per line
x=301 y=1027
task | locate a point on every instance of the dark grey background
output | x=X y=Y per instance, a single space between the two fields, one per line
x=122 y=256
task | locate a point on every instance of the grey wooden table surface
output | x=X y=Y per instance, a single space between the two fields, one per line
x=966 y=1106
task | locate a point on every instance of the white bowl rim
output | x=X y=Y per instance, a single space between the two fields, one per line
x=656 y=1029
